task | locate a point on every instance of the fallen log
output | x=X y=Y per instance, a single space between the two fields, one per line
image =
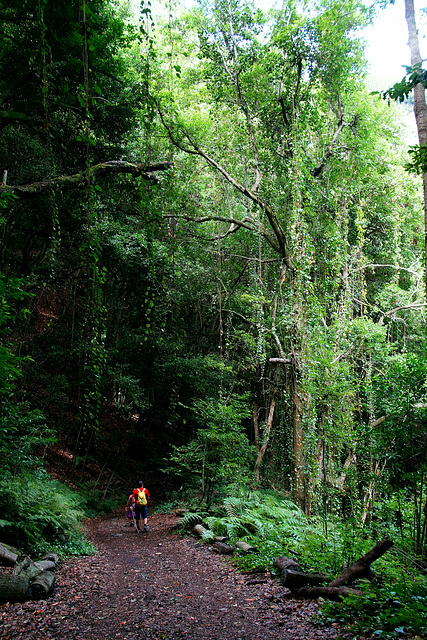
x=27 y=568
x=359 y=569
x=201 y=530
x=244 y=546
x=295 y=580
x=8 y=555
x=28 y=580
x=282 y=562
x=224 y=548
x=330 y=593
x=54 y=557
x=46 y=565
x=13 y=588
x=293 y=577
x=362 y=567
x=207 y=534
x=41 y=586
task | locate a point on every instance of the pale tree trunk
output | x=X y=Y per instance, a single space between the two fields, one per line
x=267 y=435
x=420 y=109
x=256 y=425
x=300 y=492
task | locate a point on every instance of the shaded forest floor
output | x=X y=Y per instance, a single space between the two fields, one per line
x=158 y=585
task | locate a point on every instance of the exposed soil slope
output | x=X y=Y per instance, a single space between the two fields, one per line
x=157 y=585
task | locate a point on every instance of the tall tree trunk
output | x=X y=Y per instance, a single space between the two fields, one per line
x=299 y=480
x=267 y=434
x=420 y=108
x=256 y=425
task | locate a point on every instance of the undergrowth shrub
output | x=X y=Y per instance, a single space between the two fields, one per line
x=40 y=514
x=93 y=504
x=393 y=606
x=388 y=611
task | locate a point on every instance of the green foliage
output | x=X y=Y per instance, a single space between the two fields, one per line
x=418 y=162
x=21 y=432
x=94 y=504
x=40 y=513
x=220 y=450
x=299 y=236
x=266 y=520
x=191 y=518
x=390 y=610
x=401 y=90
x=391 y=607
x=11 y=290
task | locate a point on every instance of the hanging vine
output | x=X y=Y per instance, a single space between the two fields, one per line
x=92 y=355
x=47 y=79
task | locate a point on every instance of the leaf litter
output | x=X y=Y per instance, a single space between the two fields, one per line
x=130 y=590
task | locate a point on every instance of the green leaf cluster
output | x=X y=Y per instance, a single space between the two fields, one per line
x=40 y=514
x=389 y=610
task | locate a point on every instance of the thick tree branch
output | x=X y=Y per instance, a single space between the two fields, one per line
x=235 y=225
x=280 y=360
x=330 y=149
x=383 y=266
x=362 y=567
x=82 y=179
x=277 y=240
x=416 y=306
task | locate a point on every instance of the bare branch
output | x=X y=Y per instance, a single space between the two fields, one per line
x=379 y=266
x=331 y=147
x=66 y=183
x=277 y=240
x=417 y=306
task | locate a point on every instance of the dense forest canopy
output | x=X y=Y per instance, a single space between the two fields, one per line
x=212 y=256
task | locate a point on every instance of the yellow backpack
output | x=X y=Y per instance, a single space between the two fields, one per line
x=141 y=500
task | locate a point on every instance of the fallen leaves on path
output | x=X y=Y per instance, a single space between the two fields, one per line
x=159 y=586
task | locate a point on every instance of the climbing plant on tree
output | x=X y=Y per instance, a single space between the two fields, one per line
x=68 y=103
x=282 y=123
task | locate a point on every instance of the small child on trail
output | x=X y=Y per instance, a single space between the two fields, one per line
x=130 y=510
x=140 y=498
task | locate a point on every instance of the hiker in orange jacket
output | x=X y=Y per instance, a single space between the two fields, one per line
x=140 y=496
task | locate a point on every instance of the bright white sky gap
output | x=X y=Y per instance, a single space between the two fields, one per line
x=388 y=50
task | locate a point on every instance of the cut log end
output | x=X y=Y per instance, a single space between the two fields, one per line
x=41 y=586
x=224 y=548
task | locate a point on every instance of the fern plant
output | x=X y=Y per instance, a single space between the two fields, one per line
x=190 y=519
x=38 y=512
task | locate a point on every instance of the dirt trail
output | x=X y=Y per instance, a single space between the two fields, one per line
x=157 y=585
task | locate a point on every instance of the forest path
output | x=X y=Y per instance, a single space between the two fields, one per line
x=158 y=585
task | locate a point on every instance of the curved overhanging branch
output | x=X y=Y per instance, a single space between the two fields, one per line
x=383 y=266
x=235 y=225
x=331 y=148
x=82 y=179
x=416 y=306
x=277 y=240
